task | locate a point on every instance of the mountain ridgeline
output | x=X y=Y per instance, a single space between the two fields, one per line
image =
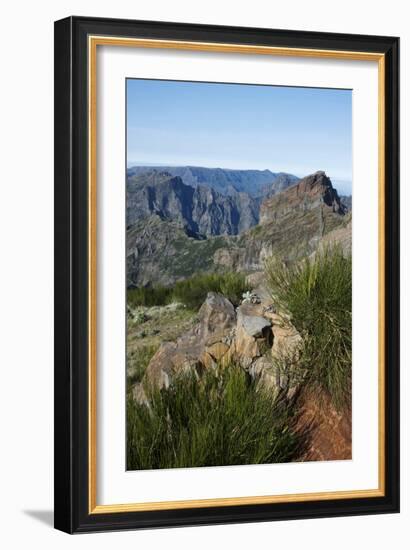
x=185 y=220
x=201 y=210
x=256 y=183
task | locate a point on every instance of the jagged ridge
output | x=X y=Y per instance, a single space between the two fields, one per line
x=294 y=223
x=257 y=183
x=200 y=210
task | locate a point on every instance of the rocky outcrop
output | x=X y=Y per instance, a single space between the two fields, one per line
x=216 y=318
x=201 y=347
x=253 y=336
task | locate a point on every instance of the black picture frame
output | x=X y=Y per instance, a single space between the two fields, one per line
x=71 y=490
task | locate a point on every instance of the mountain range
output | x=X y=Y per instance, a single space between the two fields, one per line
x=200 y=210
x=257 y=183
x=175 y=229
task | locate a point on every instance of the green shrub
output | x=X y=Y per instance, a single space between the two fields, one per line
x=191 y=292
x=317 y=294
x=219 y=420
x=232 y=286
x=149 y=296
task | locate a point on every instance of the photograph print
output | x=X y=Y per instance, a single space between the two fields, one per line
x=239 y=274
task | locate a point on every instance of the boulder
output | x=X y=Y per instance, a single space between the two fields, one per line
x=217 y=350
x=202 y=347
x=272 y=376
x=267 y=375
x=246 y=347
x=287 y=341
x=216 y=318
x=255 y=336
x=255 y=326
x=172 y=359
x=208 y=361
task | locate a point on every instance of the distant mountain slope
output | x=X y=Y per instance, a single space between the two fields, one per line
x=161 y=252
x=347 y=201
x=293 y=224
x=200 y=210
x=226 y=181
x=281 y=182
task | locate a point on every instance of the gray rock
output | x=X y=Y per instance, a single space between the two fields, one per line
x=190 y=353
x=217 y=318
x=254 y=325
x=268 y=376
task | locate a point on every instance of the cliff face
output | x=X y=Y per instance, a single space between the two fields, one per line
x=211 y=236
x=200 y=210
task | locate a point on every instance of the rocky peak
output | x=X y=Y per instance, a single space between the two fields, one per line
x=309 y=193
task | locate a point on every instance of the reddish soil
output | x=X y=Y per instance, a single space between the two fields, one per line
x=328 y=431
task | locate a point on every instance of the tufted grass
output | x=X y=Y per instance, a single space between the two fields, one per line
x=217 y=421
x=317 y=295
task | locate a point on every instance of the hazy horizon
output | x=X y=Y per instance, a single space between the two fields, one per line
x=344 y=187
x=241 y=127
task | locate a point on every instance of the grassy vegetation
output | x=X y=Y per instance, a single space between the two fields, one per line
x=191 y=292
x=192 y=255
x=317 y=294
x=149 y=296
x=221 y=420
x=137 y=362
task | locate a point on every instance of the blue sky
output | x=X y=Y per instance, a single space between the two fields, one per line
x=296 y=130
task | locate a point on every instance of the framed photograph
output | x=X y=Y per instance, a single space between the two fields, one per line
x=226 y=274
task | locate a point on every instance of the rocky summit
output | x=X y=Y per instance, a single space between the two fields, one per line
x=312 y=192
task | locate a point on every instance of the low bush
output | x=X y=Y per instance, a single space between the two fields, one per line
x=317 y=295
x=220 y=420
x=149 y=296
x=191 y=292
